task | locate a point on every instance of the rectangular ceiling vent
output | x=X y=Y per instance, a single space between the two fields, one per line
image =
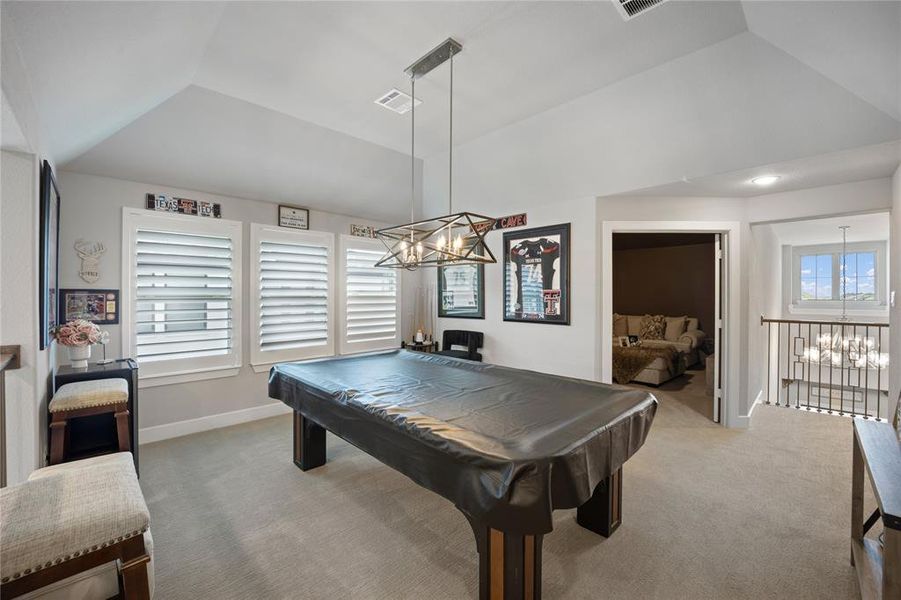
x=397 y=101
x=629 y=9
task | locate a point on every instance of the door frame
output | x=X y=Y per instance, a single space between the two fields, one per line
x=730 y=348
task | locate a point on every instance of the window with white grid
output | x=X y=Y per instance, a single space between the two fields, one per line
x=182 y=304
x=370 y=298
x=292 y=274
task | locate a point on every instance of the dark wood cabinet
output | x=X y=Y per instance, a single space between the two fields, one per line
x=91 y=436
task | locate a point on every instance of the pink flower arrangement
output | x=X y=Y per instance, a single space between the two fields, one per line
x=78 y=333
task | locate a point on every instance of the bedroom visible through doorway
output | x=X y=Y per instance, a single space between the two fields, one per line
x=665 y=291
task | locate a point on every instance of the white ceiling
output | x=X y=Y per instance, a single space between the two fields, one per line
x=858 y=164
x=150 y=90
x=863 y=228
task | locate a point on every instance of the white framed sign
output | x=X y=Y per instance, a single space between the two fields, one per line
x=293 y=216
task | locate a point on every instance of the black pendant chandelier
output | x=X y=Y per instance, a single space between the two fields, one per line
x=456 y=238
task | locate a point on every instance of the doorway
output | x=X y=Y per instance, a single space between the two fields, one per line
x=679 y=274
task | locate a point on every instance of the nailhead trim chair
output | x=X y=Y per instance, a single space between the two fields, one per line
x=84 y=399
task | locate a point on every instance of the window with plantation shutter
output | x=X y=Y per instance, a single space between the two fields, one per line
x=370 y=298
x=181 y=311
x=293 y=281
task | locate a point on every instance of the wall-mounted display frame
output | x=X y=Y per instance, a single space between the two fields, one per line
x=536 y=275
x=461 y=291
x=293 y=216
x=183 y=206
x=49 y=256
x=97 y=306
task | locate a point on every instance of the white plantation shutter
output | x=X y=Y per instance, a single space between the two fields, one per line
x=371 y=298
x=182 y=311
x=293 y=279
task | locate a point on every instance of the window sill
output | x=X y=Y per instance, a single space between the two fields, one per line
x=147 y=381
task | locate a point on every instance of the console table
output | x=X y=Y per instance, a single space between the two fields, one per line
x=877 y=453
x=90 y=436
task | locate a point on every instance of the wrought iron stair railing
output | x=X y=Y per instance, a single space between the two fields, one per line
x=835 y=367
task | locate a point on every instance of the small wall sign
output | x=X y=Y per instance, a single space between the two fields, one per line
x=367 y=231
x=183 y=206
x=510 y=221
x=293 y=216
x=89 y=253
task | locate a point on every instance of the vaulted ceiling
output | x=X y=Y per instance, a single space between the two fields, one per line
x=274 y=101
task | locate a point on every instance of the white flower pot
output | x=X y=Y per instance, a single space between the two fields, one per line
x=78 y=356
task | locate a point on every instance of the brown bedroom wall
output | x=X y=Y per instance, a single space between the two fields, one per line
x=671 y=280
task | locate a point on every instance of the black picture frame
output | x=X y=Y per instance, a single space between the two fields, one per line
x=547 y=249
x=48 y=280
x=477 y=312
x=294 y=221
x=100 y=307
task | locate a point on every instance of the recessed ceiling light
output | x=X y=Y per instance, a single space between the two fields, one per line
x=397 y=101
x=766 y=180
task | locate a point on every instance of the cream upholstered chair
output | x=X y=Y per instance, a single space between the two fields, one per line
x=84 y=399
x=75 y=517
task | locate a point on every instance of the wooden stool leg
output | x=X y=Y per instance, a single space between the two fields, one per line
x=603 y=512
x=57 y=439
x=135 y=579
x=122 y=428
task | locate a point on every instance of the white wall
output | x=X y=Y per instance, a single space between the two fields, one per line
x=765 y=300
x=92 y=210
x=872 y=195
x=895 y=284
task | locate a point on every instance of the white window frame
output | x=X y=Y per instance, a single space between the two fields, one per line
x=261 y=360
x=167 y=372
x=345 y=346
x=855 y=307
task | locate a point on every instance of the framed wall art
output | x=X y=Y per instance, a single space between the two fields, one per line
x=461 y=291
x=97 y=306
x=293 y=216
x=536 y=275
x=49 y=255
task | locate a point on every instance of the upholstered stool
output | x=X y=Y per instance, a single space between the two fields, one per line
x=84 y=399
x=67 y=521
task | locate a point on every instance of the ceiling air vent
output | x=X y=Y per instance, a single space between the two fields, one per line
x=629 y=9
x=397 y=101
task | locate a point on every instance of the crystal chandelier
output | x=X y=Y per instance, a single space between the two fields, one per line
x=455 y=238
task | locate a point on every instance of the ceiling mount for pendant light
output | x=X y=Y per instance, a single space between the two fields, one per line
x=455 y=238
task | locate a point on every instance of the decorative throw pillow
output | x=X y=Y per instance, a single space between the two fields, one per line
x=675 y=327
x=620 y=325
x=634 y=324
x=652 y=327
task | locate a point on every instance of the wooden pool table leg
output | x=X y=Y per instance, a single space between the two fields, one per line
x=309 y=443
x=509 y=564
x=603 y=512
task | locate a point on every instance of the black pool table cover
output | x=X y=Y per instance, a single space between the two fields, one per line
x=506 y=446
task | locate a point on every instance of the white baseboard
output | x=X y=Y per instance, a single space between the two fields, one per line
x=744 y=421
x=157 y=433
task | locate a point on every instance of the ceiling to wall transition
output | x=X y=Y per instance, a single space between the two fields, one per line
x=862 y=228
x=253 y=98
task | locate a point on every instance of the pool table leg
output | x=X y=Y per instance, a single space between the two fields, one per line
x=603 y=512
x=309 y=443
x=509 y=564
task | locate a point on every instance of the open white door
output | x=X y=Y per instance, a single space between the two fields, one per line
x=719 y=303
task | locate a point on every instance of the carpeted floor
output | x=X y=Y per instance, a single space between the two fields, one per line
x=708 y=513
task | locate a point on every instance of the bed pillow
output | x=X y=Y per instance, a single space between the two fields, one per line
x=620 y=325
x=653 y=327
x=675 y=326
x=634 y=324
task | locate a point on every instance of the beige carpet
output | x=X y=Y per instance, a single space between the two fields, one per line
x=709 y=513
